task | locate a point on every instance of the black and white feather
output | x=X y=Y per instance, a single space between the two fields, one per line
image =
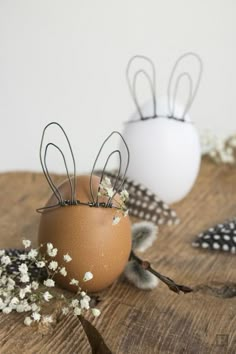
x=143 y=203
x=221 y=237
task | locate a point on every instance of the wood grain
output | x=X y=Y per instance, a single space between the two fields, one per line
x=135 y=321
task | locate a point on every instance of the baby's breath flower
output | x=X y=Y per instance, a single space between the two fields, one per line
x=74 y=302
x=124 y=195
x=96 y=312
x=34 y=285
x=7 y=310
x=35 y=308
x=32 y=254
x=49 y=283
x=52 y=252
x=116 y=220
x=14 y=301
x=126 y=213
x=40 y=264
x=53 y=265
x=63 y=271
x=77 y=311
x=88 y=276
x=22 y=257
x=20 y=308
x=36 y=316
x=5 y=260
x=2 y=252
x=47 y=296
x=84 y=303
x=26 y=243
x=27 y=321
x=65 y=310
x=74 y=282
x=23 y=269
x=24 y=278
x=67 y=258
x=47 y=319
x=49 y=246
x=83 y=293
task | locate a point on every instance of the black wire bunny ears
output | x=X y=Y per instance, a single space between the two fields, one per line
x=93 y=202
x=173 y=85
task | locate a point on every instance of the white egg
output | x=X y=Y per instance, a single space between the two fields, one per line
x=165 y=153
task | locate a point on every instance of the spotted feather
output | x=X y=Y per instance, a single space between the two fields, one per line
x=221 y=237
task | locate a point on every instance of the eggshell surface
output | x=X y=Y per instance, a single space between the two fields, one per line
x=166 y=155
x=88 y=236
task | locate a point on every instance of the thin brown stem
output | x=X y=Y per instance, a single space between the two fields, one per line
x=168 y=281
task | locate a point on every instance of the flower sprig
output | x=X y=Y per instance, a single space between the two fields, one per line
x=21 y=291
x=106 y=190
x=218 y=149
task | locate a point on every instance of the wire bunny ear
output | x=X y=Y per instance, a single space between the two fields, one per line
x=120 y=177
x=43 y=153
x=184 y=75
x=132 y=82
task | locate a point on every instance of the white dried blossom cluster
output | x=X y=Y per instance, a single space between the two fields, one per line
x=106 y=190
x=220 y=150
x=20 y=292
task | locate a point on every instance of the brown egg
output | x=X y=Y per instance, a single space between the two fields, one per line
x=88 y=236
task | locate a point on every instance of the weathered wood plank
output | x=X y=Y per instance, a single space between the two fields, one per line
x=135 y=321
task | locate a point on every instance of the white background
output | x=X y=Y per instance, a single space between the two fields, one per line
x=65 y=61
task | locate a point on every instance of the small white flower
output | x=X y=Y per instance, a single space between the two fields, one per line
x=84 y=303
x=49 y=283
x=35 y=307
x=2 y=252
x=47 y=296
x=27 y=321
x=5 y=260
x=26 y=243
x=32 y=254
x=20 y=308
x=40 y=264
x=107 y=181
x=24 y=291
x=47 y=319
x=124 y=195
x=23 y=269
x=88 y=276
x=67 y=258
x=63 y=271
x=74 y=282
x=126 y=213
x=53 y=265
x=116 y=220
x=49 y=246
x=74 y=303
x=52 y=252
x=96 y=312
x=24 y=278
x=34 y=285
x=22 y=257
x=83 y=293
x=77 y=311
x=65 y=310
x=14 y=301
x=36 y=316
x=7 y=310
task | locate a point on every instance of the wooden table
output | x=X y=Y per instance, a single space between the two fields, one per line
x=135 y=321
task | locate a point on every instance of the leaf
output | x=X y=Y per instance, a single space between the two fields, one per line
x=95 y=339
